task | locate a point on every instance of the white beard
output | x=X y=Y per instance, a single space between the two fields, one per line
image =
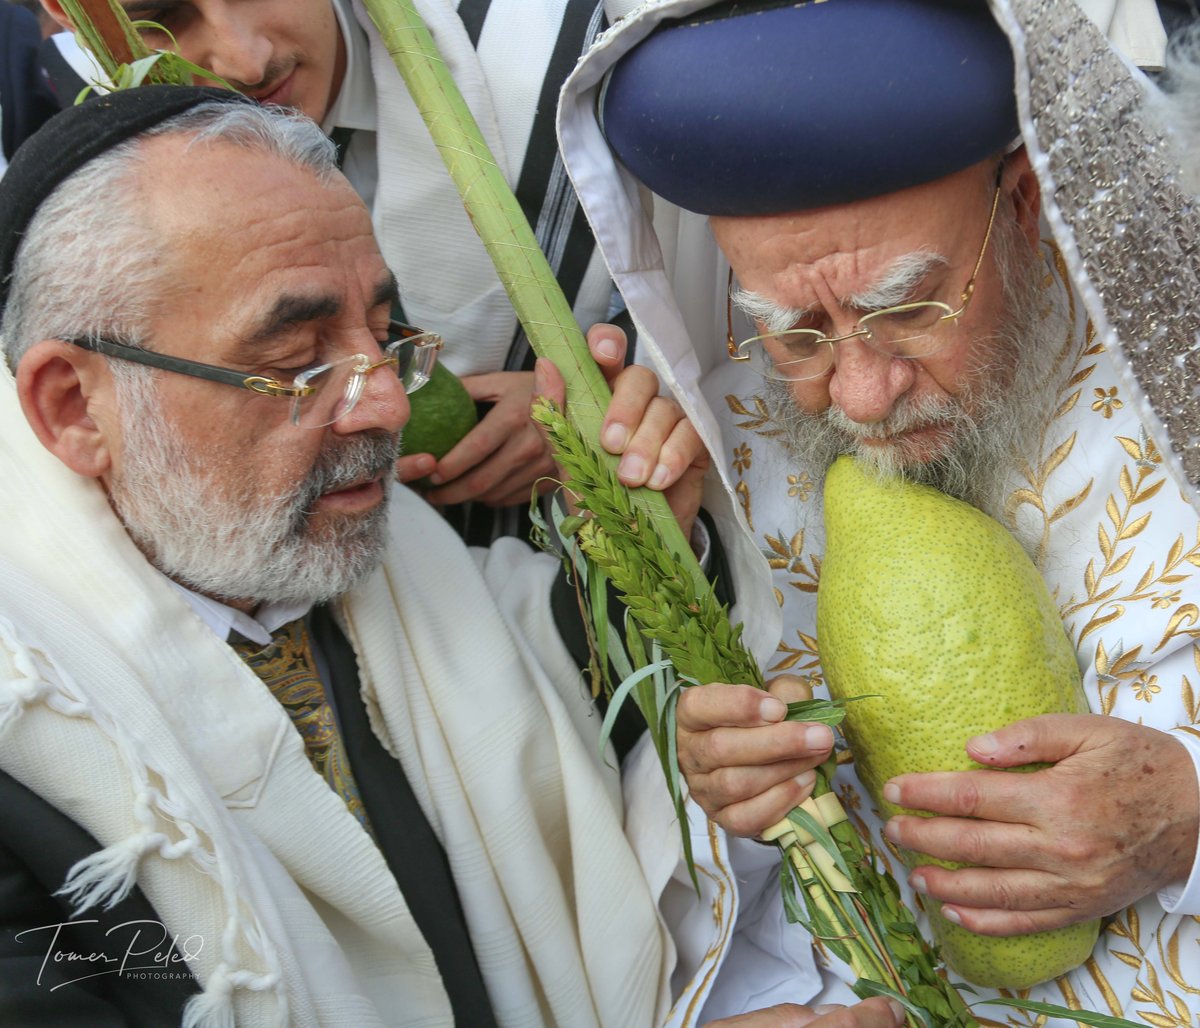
x=992 y=425
x=240 y=547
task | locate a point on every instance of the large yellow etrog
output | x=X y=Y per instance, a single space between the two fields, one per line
x=934 y=608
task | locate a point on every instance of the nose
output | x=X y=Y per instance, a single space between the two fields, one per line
x=234 y=46
x=383 y=405
x=865 y=383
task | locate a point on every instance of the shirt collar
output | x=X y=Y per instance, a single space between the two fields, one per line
x=223 y=619
x=355 y=106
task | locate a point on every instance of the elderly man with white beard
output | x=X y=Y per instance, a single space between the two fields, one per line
x=934 y=264
x=277 y=748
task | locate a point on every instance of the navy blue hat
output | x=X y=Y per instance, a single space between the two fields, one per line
x=760 y=108
x=75 y=136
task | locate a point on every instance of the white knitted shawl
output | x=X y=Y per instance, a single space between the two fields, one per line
x=121 y=708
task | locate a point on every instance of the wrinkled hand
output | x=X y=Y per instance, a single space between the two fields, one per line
x=1113 y=820
x=659 y=447
x=877 y=1012
x=744 y=764
x=500 y=459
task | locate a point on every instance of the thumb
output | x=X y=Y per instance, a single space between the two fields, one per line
x=790 y=688
x=1047 y=739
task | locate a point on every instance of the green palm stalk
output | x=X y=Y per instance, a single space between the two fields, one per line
x=497 y=216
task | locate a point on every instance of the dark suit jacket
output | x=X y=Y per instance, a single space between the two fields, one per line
x=25 y=99
x=44 y=976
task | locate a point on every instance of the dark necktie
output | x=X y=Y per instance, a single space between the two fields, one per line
x=286 y=666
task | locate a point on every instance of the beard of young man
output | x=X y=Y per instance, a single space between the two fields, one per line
x=996 y=421
x=220 y=540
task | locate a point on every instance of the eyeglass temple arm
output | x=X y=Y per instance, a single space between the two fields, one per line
x=165 y=362
x=987 y=235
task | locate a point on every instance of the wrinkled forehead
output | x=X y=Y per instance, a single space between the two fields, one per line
x=938 y=217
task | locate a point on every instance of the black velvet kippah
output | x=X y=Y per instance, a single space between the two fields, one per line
x=72 y=138
x=758 y=107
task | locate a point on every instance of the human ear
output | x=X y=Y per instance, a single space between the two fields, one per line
x=55 y=10
x=1019 y=185
x=64 y=393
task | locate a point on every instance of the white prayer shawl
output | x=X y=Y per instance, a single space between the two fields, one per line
x=122 y=709
x=1121 y=545
x=447 y=281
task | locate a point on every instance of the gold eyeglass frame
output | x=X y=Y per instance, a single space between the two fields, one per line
x=737 y=349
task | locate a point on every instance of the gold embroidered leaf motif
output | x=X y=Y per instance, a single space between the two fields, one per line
x=1175 y=552
x=1145 y=580
x=1130 y=446
x=1127 y=958
x=1189 y=695
x=1019 y=498
x=1081 y=376
x=1109 y=701
x=1186 y=615
x=1134 y=527
x=1057 y=456
x=1161 y=1020
x=1181 y=1010
x=757 y=418
x=1101 y=620
x=1152 y=983
x=1068 y=505
x=1069 y=403
x=1104 y=542
x=804 y=587
x=1150 y=491
x=1126 y=485
x=1113 y=512
x=1120 y=563
x=1170 y=954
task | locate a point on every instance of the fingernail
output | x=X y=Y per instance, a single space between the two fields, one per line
x=772 y=709
x=951 y=915
x=818 y=737
x=827 y=1008
x=608 y=348
x=614 y=437
x=632 y=468
x=985 y=745
x=539 y=377
x=918 y=884
x=435 y=479
x=806 y=780
x=897 y=1011
x=891 y=831
x=891 y=793
x=660 y=476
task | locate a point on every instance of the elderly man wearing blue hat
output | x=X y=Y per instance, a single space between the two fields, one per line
x=950 y=244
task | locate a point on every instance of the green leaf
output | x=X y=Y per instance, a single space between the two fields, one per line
x=620 y=694
x=1053 y=1010
x=865 y=988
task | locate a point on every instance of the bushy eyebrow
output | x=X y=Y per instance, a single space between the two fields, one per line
x=292 y=310
x=895 y=286
x=892 y=288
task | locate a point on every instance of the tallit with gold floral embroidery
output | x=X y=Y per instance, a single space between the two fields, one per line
x=1106 y=499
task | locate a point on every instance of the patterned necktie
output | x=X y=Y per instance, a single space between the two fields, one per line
x=287 y=668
